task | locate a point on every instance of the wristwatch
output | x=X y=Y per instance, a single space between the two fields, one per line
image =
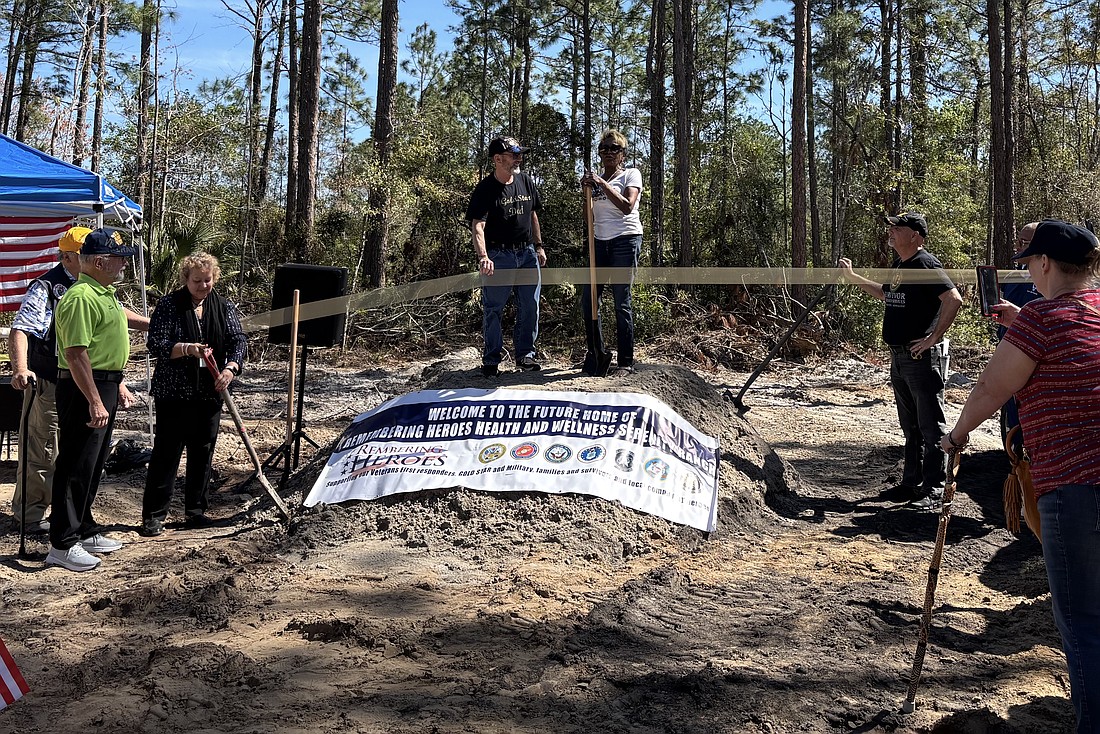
x=234 y=369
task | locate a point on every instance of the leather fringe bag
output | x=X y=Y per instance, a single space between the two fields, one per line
x=1018 y=490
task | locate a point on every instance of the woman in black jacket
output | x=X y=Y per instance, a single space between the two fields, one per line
x=186 y=324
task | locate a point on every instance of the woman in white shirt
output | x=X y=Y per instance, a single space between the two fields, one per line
x=617 y=227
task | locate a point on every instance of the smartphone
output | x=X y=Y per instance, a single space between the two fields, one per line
x=989 y=292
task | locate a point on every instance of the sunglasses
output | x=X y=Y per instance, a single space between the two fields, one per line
x=611 y=149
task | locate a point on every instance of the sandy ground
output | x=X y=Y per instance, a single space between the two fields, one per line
x=460 y=611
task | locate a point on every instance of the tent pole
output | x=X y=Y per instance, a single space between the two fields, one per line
x=145 y=312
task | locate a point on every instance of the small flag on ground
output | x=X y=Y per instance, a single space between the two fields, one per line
x=12 y=685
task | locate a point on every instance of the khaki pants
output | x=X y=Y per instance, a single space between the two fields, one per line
x=40 y=443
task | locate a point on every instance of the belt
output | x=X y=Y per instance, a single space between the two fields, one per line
x=105 y=375
x=509 y=245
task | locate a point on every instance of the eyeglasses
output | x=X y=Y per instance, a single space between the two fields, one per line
x=611 y=149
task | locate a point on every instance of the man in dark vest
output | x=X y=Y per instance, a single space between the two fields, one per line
x=33 y=348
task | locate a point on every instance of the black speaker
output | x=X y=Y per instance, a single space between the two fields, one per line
x=313 y=283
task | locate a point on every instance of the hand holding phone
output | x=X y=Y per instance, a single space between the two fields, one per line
x=989 y=291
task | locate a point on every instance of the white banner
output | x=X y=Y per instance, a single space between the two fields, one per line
x=620 y=446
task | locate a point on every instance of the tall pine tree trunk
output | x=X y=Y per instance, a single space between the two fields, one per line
x=682 y=71
x=374 y=257
x=798 y=145
x=145 y=91
x=1000 y=137
x=100 y=87
x=14 y=55
x=260 y=194
x=655 y=73
x=83 y=85
x=309 y=120
x=292 y=76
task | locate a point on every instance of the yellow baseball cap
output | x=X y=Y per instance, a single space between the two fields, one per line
x=73 y=240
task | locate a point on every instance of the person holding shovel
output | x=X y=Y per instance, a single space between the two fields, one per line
x=1050 y=359
x=617 y=228
x=186 y=323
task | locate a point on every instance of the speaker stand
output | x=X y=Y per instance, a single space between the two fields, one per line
x=291 y=450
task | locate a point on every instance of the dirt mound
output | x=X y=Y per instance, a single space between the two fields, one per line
x=492 y=525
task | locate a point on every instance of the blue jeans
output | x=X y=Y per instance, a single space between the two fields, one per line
x=1070 y=518
x=495 y=297
x=918 y=392
x=619 y=252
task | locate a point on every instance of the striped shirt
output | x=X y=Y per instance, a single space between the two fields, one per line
x=1060 y=404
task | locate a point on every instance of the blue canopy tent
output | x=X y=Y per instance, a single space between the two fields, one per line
x=40 y=198
x=34 y=184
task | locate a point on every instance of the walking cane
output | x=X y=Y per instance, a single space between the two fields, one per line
x=909 y=705
x=228 y=398
x=601 y=361
x=23 y=469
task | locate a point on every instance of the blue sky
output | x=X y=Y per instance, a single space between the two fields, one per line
x=210 y=43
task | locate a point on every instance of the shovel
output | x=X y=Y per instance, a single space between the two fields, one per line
x=228 y=398
x=595 y=363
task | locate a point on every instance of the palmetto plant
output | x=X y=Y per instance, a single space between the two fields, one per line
x=173 y=242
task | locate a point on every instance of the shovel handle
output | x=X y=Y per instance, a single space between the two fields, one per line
x=208 y=357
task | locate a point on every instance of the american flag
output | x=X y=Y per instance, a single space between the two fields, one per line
x=12 y=685
x=28 y=248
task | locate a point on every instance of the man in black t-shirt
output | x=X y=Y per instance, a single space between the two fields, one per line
x=920 y=308
x=504 y=221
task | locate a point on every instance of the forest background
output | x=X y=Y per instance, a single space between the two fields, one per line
x=768 y=135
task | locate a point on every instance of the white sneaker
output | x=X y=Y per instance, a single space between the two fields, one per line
x=74 y=559
x=100 y=544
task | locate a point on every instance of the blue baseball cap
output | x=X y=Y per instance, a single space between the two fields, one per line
x=506 y=145
x=107 y=242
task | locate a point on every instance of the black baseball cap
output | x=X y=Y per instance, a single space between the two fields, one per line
x=913 y=220
x=506 y=145
x=106 y=242
x=1061 y=241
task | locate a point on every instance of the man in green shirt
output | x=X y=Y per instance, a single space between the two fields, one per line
x=93 y=348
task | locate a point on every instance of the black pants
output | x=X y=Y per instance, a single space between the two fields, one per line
x=918 y=390
x=190 y=424
x=81 y=453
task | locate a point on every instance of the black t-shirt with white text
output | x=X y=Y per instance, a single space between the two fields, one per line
x=506 y=209
x=912 y=308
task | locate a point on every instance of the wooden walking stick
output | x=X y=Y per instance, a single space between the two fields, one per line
x=23 y=444
x=909 y=705
x=232 y=407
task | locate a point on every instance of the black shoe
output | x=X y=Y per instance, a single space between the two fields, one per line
x=197 y=521
x=900 y=493
x=38 y=527
x=932 y=502
x=151 y=529
x=528 y=364
x=490 y=370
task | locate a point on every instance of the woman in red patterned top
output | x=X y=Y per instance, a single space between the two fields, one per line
x=1050 y=359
